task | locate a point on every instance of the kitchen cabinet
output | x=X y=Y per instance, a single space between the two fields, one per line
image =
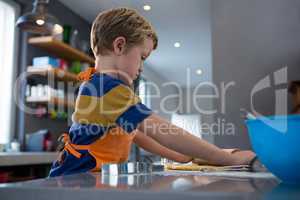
x=20 y=166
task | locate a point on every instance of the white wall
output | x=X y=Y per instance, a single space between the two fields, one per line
x=198 y=106
x=252 y=39
x=180 y=102
x=159 y=103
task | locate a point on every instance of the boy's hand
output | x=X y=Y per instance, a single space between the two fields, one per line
x=185 y=159
x=244 y=157
x=199 y=161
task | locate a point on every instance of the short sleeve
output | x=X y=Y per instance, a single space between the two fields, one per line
x=124 y=108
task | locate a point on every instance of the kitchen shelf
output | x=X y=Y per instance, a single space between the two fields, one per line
x=60 y=49
x=50 y=71
x=51 y=100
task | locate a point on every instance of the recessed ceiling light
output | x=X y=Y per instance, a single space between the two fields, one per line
x=199 y=71
x=177 y=44
x=147 y=7
x=40 y=22
x=58 y=29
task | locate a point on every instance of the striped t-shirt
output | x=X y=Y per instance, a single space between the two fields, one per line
x=103 y=103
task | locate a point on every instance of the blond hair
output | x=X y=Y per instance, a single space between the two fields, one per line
x=125 y=22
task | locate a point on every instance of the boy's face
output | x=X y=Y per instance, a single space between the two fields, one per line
x=131 y=62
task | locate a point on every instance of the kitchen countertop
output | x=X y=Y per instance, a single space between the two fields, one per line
x=158 y=185
x=26 y=158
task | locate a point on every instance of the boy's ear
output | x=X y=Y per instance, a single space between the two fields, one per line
x=119 y=45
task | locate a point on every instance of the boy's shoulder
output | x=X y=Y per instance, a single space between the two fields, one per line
x=100 y=84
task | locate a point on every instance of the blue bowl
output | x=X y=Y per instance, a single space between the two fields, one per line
x=276 y=141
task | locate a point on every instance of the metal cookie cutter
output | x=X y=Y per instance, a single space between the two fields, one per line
x=126 y=168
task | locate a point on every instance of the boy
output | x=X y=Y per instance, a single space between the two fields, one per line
x=108 y=116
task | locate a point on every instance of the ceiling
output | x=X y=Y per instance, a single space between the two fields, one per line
x=174 y=20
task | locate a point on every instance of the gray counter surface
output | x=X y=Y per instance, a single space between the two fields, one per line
x=159 y=185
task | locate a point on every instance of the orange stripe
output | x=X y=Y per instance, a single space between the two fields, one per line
x=71 y=148
x=72 y=151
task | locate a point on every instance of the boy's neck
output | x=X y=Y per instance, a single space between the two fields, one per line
x=105 y=64
x=108 y=65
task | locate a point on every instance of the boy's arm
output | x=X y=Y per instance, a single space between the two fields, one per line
x=185 y=143
x=154 y=147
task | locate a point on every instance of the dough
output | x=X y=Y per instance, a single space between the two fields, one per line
x=206 y=168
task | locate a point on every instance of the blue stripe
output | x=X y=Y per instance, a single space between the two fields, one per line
x=99 y=85
x=134 y=115
x=85 y=134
